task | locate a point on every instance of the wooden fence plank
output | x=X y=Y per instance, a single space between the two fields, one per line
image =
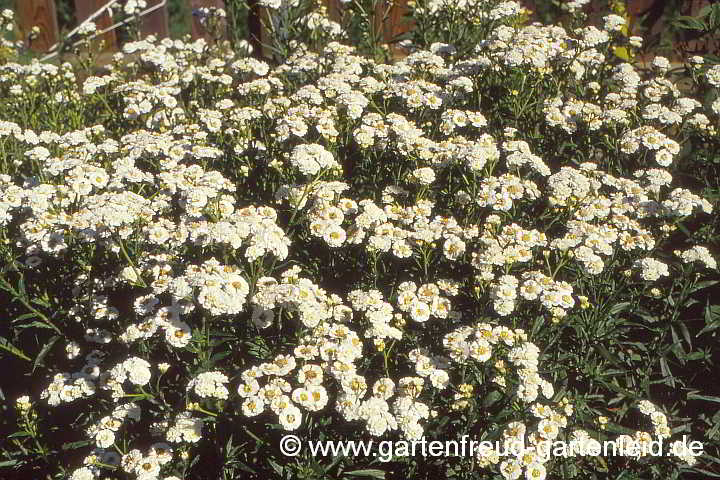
x=156 y=23
x=198 y=31
x=392 y=22
x=40 y=13
x=256 y=31
x=640 y=7
x=334 y=9
x=85 y=8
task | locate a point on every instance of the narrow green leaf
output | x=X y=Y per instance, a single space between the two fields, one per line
x=706 y=472
x=618 y=307
x=36 y=324
x=74 y=445
x=607 y=355
x=45 y=350
x=278 y=469
x=21 y=287
x=688 y=23
x=491 y=398
x=25 y=316
x=245 y=467
x=9 y=347
x=41 y=302
x=701 y=285
x=708 y=398
x=670 y=380
x=685 y=333
x=372 y=473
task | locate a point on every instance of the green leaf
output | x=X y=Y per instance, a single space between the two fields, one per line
x=615 y=428
x=537 y=325
x=278 y=469
x=707 y=473
x=336 y=460
x=21 y=288
x=25 y=316
x=670 y=380
x=219 y=356
x=685 y=333
x=617 y=388
x=707 y=398
x=74 y=445
x=688 y=23
x=245 y=467
x=45 y=350
x=684 y=229
x=618 y=307
x=41 y=302
x=701 y=285
x=36 y=324
x=712 y=318
x=695 y=356
x=711 y=14
x=607 y=355
x=491 y=398
x=9 y=347
x=372 y=473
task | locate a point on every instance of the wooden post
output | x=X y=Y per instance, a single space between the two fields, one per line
x=198 y=31
x=157 y=22
x=40 y=13
x=85 y=8
x=256 y=31
x=334 y=9
x=391 y=20
x=639 y=7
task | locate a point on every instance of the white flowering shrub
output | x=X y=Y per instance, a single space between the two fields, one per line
x=512 y=237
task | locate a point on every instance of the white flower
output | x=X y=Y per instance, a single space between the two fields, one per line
x=210 y=384
x=148 y=467
x=105 y=438
x=383 y=388
x=253 y=406
x=72 y=349
x=651 y=269
x=424 y=176
x=419 y=311
x=290 y=418
x=23 y=403
x=661 y=63
x=272 y=4
x=186 y=429
x=535 y=471
x=137 y=370
x=646 y=407
x=249 y=388
x=82 y=473
x=635 y=41
x=614 y=23
x=311 y=158
x=334 y=236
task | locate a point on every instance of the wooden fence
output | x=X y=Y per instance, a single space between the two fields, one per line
x=43 y=14
x=390 y=19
